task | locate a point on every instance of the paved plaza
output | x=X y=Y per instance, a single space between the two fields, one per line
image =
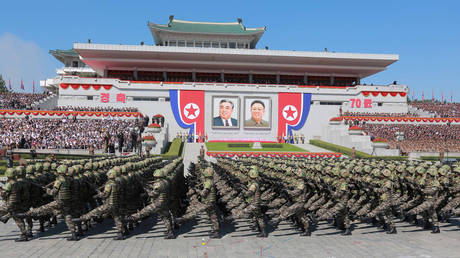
x=238 y=241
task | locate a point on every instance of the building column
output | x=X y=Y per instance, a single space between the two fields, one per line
x=135 y=74
x=165 y=76
x=222 y=76
x=305 y=79
x=278 y=78
x=358 y=80
x=194 y=76
x=250 y=78
x=331 y=80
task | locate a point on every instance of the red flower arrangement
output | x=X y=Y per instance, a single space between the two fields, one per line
x=379 y=139
x=154 y=125
x=354 y=128
x=336 y=119
x=148 y=138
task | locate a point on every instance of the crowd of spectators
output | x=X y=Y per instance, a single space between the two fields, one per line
x=438 y=109
x=14 y=100
x=417 y=137
x=95 y=109
x=64 y=133
x=377 y=114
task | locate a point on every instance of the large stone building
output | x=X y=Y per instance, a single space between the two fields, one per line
x=195 y=66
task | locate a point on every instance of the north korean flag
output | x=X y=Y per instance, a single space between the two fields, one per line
x=188 y=109
x=293 y=109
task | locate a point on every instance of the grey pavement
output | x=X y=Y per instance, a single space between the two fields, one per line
x=238 y=241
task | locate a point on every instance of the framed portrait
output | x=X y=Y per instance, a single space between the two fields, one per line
x=257 y=113
x=225 y=112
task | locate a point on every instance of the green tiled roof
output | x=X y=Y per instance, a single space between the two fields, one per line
x=61 y=52
x=235 y=28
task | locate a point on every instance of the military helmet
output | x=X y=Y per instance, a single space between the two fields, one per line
x=386 y=172
x=38 y=167
x=62 y=169
x=253 y=173
x=207 y=172
x=9 y=173
x=54 y=166
x=433 y=171
x=300 y=173
x=111 y=174
x=46 y=166
x=444 y=170
x=124 y=170
x=20 y=172
x=158 y=173
x=30 y=169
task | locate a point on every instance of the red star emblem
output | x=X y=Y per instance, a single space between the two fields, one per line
x=290 y=112
x=191 y=111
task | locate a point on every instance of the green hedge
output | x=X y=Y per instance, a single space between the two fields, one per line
x=338 y=148
x=347 y=151
x=436 y=158
x=175 y=149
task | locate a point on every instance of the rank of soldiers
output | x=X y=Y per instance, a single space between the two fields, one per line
x=261 y=190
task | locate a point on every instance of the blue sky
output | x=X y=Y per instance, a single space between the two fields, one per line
x=425 y=34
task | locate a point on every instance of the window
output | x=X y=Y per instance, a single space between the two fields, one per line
x=74 y=63
x=232 y=45
x=145 y=99
x=89 y=97
x=181 y=43
x=189 y=44
x=330 y=103
x=379 y=104
x=206 y=44
x=223 y=44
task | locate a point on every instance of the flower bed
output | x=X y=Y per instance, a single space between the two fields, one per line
x=148 y=138
x=154 y=125
x=355 y=128
x=379 y=139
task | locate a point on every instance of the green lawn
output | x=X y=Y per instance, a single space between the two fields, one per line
x=283 y=147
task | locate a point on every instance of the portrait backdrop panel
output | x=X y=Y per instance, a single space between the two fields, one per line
x=257 y=112
x=225 y=112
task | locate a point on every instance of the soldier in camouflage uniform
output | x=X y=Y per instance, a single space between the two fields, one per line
x=111 y=206
x=208 y=203
x=253 y=208
x=430 y=186
x=15 y=195
x=159 y=197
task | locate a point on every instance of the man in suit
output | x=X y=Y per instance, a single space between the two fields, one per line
x=225 y=115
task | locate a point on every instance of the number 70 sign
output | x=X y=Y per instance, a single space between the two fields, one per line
x=358 y=103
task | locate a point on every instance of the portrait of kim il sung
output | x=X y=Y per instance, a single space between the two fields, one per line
x=257 y=112
x=225 y=112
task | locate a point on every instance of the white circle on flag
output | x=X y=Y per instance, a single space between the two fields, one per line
x=191 y=111
x=290 y=112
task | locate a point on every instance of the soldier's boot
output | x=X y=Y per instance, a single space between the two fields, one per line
x=5 y=218
x=130 y=225
x=22 y=238
x=73 y=237
x=392 y=230
x=79 y=230
x=42 y=225
x=435 y=230
x=347 y=232
x=306 y=232
x=427 y=225
x=119 y=236
x=54 y=220
x=275 y=222
x=263 y=232
x=169 y=231
x=214 y=234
